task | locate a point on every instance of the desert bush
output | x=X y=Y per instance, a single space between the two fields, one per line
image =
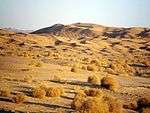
x=78 y=100
x=5 y=91
x=93 y=92
x=38 y=92
x=94 y=105
x=103 y=104
x=114 y=104
x=54 y=91
x=91 y=68
x=19 y=98
x=110 y=83
x=93 y=79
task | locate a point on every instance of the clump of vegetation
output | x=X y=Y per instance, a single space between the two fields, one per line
x=110 y=83
x=93 y=92
x=93 y=79
x=5 y=91
x=114 y=104
x=19 y=98
x=78 y=100
x=94 y=105
x=38 y=92
x=103 y=104
x=54 y=91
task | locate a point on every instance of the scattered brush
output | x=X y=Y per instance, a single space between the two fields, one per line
x=93 y=79
x=110 y=83
x=19 y=98
x=54 y=91
x=38 y=92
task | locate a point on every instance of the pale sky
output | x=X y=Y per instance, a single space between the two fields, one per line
x=35 y=14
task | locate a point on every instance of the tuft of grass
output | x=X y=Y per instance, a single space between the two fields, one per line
x=38 y=92
x=110 y=83
x=19 y=98
x=93 y=79
x=54 y=91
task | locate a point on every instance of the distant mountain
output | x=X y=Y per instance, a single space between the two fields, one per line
x=18 y=30
x=94 y=30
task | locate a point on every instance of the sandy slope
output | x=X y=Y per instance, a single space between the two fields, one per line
x=46 y=57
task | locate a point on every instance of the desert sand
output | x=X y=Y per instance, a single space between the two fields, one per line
x=65 y=56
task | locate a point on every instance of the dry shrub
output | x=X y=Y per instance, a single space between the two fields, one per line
x=5 y=91
x=93 y=92
x=38 y=92
x=110 y=83
x=91 y=68
x=19 y=98
x=54 y=91
x=78 y=100
x=103 y=104
x=94 y=105
x=93 y=79
x=115 y=105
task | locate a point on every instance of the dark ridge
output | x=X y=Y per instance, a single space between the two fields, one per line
x=53 y=29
